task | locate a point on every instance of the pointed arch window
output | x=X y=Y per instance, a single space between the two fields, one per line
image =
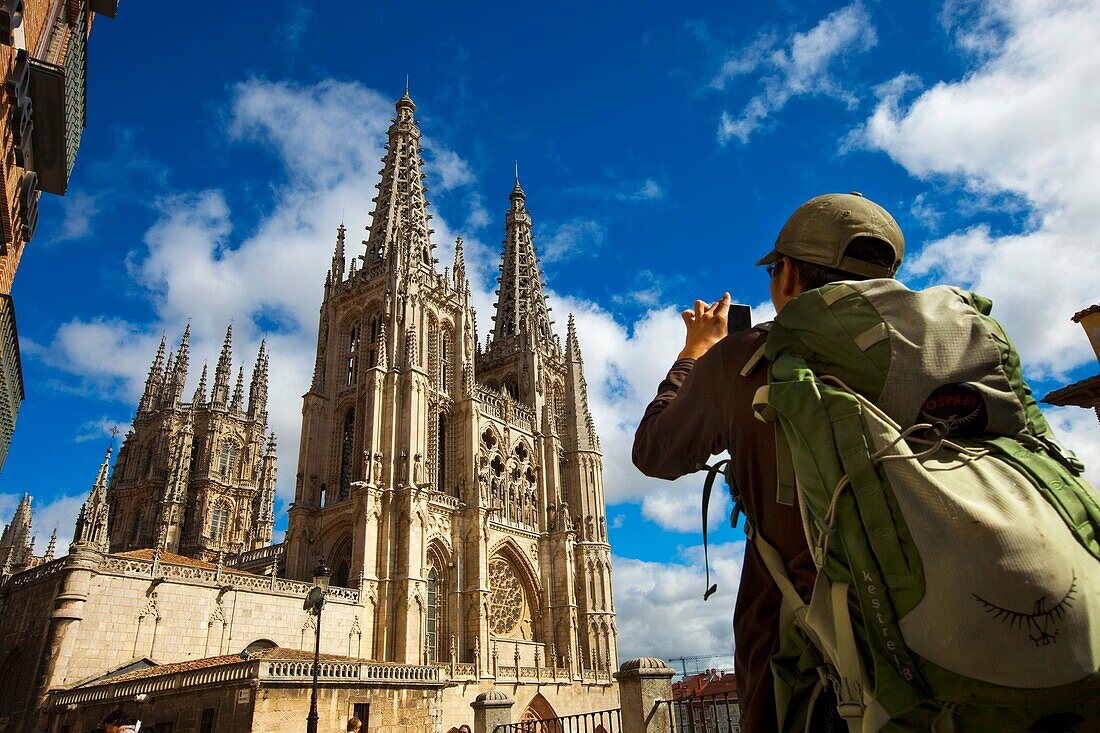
x=146 y=471
x=227 y=459
x=352 y=355
x=135 y=528
x=219 y=523
x=375 y=333
x=346 y=461
x=441 y=454
x=444 y=361
x=432 y=619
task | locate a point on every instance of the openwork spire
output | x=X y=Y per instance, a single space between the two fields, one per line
x=580 y=429
x=200 y=391
x=238 y=392
x=400 y=218
x=179 y=373
x=521 y=298
x=153 y=381
x=257 y=388
x=338 y=255
x=92 y=522
x=222 y=371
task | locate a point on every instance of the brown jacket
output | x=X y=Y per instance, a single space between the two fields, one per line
x=702 y=408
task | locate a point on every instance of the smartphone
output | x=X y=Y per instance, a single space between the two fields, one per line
x=740 y=319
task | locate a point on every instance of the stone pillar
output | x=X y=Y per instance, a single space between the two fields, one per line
x=491 y=709
x=81 y=566
x=642 y=684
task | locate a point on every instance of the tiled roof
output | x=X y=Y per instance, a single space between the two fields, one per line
x=167 y=557
x=223 y=660
x=1081 y=314
x=1082 y=394
x=174 y=559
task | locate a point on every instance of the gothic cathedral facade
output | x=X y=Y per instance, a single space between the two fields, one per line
x=196 y=478
x=459 y=487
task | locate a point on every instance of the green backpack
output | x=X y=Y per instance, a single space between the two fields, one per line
x=957 y=543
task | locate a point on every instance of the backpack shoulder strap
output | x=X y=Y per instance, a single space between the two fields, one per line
x=758 y=355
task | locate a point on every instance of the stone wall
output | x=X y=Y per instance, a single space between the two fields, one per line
x=128 y=616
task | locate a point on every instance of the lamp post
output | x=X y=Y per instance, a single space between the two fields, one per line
x=315 y=601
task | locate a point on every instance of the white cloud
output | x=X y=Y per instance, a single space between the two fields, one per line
x=1077 y=430
x=803 y=65
x=660 y=605
x=80 y=209
x=1022 y=123
x=649 y=190
x=576 y=237
x=450 y=170
x=103 y=427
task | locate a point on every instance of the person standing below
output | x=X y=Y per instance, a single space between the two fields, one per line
x=704 y=406
x=354 y=724
x=120 y=722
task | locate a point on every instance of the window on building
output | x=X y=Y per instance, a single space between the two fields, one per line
x=375 y=334
x=207 y=723
x=219 y=522
x=441 y=454
x=353 y=354
x=227 y=459
x=346 y=457
x=135 y=528
x=361 y=710
x=433 y=614
x=444 y=362
x=146 y=470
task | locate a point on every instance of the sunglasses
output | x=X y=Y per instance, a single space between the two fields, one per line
x=771 y=268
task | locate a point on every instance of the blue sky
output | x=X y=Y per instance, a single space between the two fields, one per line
x=661 y=147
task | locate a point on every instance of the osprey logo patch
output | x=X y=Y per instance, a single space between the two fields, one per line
x=959 y=407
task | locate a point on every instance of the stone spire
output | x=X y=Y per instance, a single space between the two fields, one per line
x=264 y=513
x=580 y=430
x=338 y=260
x=521 y=300
x=460 y=266
x=200 y=391
x=92 y=522
x=400 y=217
x=179 y=373
x=15 y=539
x=153 y=381
x=51 y=548
x=238 y=392
x=257 y=388
x=220 y=395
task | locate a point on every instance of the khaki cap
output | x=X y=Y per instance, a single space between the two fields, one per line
x=821 y=229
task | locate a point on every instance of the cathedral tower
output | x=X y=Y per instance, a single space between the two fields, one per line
x=432 y=475
x=194 y=478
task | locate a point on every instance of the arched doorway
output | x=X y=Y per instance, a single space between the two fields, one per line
x=540 y=716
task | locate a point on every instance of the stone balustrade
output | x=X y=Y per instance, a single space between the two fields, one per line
x=262 y=670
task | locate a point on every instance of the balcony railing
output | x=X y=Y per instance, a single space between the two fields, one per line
x=600 y=721
x=704 y=714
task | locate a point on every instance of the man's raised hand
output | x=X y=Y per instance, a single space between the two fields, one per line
x=706 y=326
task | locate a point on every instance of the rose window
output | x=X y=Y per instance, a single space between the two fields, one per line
x=505 y=598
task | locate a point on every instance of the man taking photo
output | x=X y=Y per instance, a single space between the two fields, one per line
x=923 y=554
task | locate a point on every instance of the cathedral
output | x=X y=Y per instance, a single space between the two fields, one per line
x=453 y=485
x=196 y=478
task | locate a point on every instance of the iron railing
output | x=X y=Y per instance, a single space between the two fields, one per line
x=704 y=714
x=600 y=721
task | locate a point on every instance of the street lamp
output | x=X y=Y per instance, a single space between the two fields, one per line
x=315 y=601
